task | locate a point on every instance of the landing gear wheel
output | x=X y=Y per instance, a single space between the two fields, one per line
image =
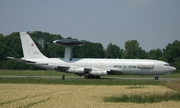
x=91 y=77
x=98 y=77
x=86 y=76
x=156 y=78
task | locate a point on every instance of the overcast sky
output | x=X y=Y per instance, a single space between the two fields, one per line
x=153 y=23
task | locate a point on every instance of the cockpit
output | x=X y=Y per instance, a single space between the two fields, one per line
x=167 y=64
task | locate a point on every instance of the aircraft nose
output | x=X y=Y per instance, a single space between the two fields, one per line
x=173 y=68
x=170 y=69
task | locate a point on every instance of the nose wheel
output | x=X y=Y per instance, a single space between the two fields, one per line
x=156 y=77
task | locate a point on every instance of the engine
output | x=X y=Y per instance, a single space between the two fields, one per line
x=98 y=72
x=76 y=70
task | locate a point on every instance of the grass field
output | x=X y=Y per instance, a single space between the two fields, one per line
x=106 y=80
x=77 y=96
x=55 y=73
x=80 y=92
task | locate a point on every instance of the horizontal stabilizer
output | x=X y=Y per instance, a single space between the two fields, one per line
x=20 y=60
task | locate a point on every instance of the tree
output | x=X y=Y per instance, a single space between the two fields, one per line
x=113 y=51
x=172 y=54
x=155 y=54
x=172 y=51
x=176 y=63
x=133 y=51
x=2 y=47
x=44 y=41
x=10 y=45
x=89 y=50
x=2 y=50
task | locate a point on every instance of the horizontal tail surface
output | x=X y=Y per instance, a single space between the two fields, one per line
x=30 y=49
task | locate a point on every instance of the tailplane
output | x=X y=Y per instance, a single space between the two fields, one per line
x=30 y=49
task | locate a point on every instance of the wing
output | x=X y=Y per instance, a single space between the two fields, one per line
x=62 y=68
x=81 y=70
x=88 y=70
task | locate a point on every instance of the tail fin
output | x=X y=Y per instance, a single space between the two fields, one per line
x=30 y=49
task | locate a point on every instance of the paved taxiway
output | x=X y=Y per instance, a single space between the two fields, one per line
x=77 y=77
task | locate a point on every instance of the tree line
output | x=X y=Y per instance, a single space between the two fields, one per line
x=10 y=45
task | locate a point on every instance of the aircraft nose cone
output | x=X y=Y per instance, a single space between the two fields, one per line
x=173 y=68
x=170 y=69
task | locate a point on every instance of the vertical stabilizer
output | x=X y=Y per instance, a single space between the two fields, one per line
x=30 y=49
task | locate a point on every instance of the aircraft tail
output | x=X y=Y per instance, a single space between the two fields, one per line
x=30 y=49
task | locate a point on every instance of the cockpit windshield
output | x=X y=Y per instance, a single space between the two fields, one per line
x=166 y=64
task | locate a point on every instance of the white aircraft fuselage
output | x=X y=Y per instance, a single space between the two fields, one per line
x=91 y=67
x=123 y=66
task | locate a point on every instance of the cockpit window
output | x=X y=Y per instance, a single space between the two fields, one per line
x=166 y=64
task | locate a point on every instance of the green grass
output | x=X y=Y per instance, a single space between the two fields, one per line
x=175 y=85
x=78 y=81
x=106 y=80
x=55 y=73
x=136 y=86
x=146 y=76
x=148 y=98
x=32 y=73
x=144 y=98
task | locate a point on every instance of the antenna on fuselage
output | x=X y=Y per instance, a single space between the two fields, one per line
x=69 y=44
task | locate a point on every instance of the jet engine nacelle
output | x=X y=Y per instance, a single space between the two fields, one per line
x=76 y=70
x=98 y=72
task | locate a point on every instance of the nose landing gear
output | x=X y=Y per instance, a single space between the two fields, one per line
x=156 y=77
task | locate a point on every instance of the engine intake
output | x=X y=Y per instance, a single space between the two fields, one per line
x=76 y=70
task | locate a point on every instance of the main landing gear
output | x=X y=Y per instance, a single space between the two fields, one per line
x=91 y=77
x=156 y=77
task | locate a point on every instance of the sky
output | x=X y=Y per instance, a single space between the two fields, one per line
x=153 y=23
